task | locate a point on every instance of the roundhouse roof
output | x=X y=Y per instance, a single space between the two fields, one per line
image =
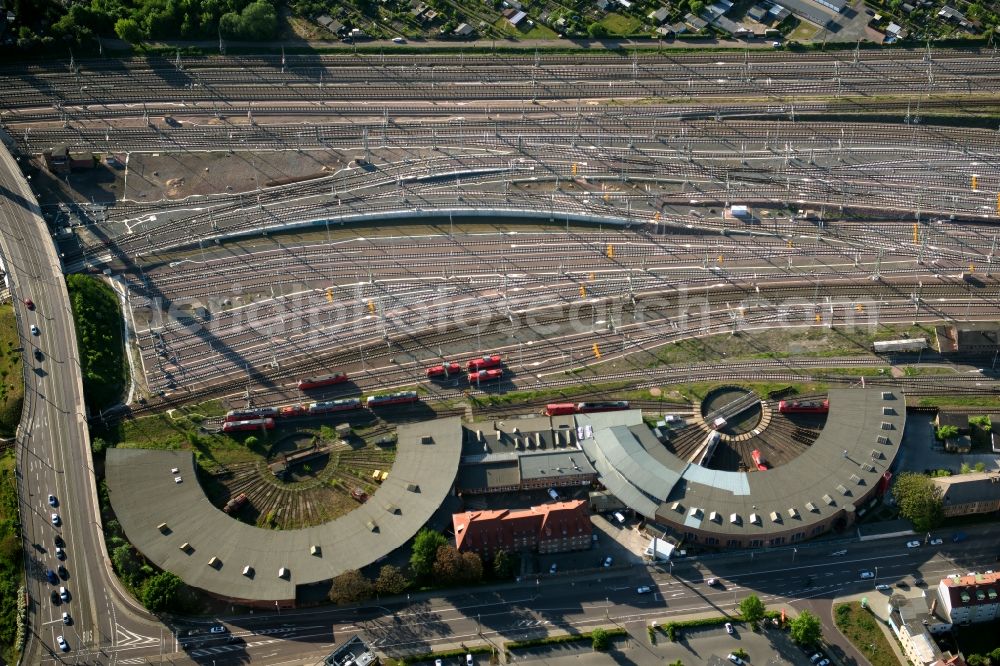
x=145 y=497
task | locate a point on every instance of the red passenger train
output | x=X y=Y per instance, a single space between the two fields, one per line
x=344 y=405
x=804 y=406
x=319 y=382
x=248 y=425
x=254 y=413
x=385 y=400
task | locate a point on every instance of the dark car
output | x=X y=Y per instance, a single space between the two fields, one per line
x=38 y=355
x=55 y=598
x=63 y=573
x=29 y=304
x=51 y=576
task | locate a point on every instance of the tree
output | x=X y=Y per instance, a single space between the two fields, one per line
x=162 y=592
x=947 y=432
x=696 y=6
x=805 y=629
x=600 y=639
x=351 y=586
x=982 y=422
x=505 y=565
x=752 y=609
x=250 y=442
x=597 y=30
x=455 y=568
x=425 y=548
x=129 y=30
x=256 y=22
x=126 y=563
x=919 y=500
x=390 y=580
x=98 y=446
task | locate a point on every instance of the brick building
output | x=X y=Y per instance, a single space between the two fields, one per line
x=966 y=494
x=549 y=528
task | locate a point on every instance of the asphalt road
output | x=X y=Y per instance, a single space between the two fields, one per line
x=53 y=452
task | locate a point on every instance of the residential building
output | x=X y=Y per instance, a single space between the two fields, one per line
x=972 y=338
x=969 y=599
x=660 y=15
x=915 y=622
x=959 y=420
x=549 y=528
x=331 y=24
x=966 y=494
x=463 y=30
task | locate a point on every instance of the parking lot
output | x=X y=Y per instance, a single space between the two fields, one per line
x=709 y=646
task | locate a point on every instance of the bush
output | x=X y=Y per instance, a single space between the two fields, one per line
x=600 y=639
x=98 y=323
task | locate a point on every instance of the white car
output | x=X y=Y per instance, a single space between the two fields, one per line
x=56 y=520
x=34 y=330
x=398 y=40
x=218 y=629
x=63 y=645
x=608 y=560
x=912 y=544
x=736 y=660
x=67 y=619
x=64 y=594
x=712 y=582
x=645 y=589
x=937 y=542
x=553 y=568
x=824 y=662
x=437 y=662
x=53 y=502
x=816 y=657
x=729 y=628
x=882 y=587
x=468 y=659
x=865 y=574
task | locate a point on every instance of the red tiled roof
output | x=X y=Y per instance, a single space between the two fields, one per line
x=973 y=590
x=499 y=529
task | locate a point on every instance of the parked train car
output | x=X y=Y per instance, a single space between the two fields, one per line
x=758 y=460
x=248 y=425
x=292 y=411
x=909 y=345
x=319 y=382
x=804 y=406
x=247 y=414
x=445 y=370
x=711 y=442
x=332 y=406
x=560 y=409
x=384 y=400
x=484 y=363
x=490 y=375
x=235 y=504
x=592 y=407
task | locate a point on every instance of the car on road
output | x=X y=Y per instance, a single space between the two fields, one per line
x=882 y=587
x=729 y=628
x=608 y=560
x=775 y=45
x=438 y=662
x=67 y=619
x=34 y=330
x=816 y=657
x=398 y=40
x=838 y=553
x=64 y=594
x=937 y=542
x=643 y=589
x=51 y=576
x=866 y=574
x=218 y=629
x=60 y=554
x=823 y=662
x=912 y=544
x=38 y=354
x=63 y=574
x=736 y=660
x=553 y=568
x=468 y=659
x=56 y=520
x=63 y=645
x=53 y=502
x=28 y=303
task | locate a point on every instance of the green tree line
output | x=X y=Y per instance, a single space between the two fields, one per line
x=98 y=321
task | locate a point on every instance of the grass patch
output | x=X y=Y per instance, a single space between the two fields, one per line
x=11 y=564
x=518 y=397
x=446 y=654
x=537 y=31
x=621 y=26
x=565 y=638
x=862 y=629
x=992 y=402
x=97 y=318
x=11 y=379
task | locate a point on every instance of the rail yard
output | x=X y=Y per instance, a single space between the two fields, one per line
x=445 y=242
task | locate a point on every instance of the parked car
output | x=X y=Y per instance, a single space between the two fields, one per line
x=643 y=589
x=64 y=594
x=712 y=582
x=736 y=660
x=63 y=574
x=34 y=330
x=729 y=628
x=67 y=619
x=469 y=661
x=937 y=542
x=28 y=303
x=63 y=645
x=60 y=554
x=816 y=657
x=553 y=568
x=882 y=587
x=608 y=560
x=218 y=629
x=50 y=575
x=56 y=520
x=53 y=502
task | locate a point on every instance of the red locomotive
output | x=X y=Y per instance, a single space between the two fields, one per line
x=759 y=461
x=248 y=425
x=560 y=408
x=564 y=408
x=484 y=363
x=445 y=370
x=485 y=376
x=319 y=382
x=804 y=406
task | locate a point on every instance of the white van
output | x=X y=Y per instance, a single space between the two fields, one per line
x=619 y=517
x=553 y=494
